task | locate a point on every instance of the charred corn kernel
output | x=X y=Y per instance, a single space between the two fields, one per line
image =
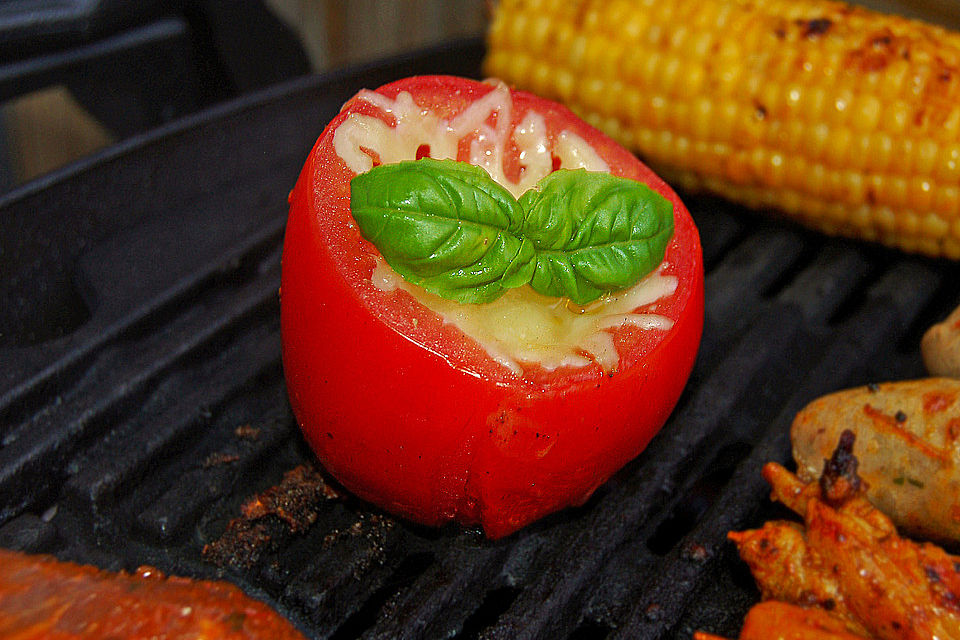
x=842 y=118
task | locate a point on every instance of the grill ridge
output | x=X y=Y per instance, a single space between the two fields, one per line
x=73 y=419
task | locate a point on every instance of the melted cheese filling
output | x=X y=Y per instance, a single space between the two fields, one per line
x=522 y=326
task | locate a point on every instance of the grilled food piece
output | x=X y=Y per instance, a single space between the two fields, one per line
x=844 y=119
x=907 y=444
x=788 y=570
x=43 y=598
x=941 y=347
x=781 y=621
x=891 y=588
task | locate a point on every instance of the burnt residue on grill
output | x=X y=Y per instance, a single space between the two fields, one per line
x=265 y=520
x=151 y=425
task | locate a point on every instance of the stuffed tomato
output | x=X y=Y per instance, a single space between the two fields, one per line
x=511 y=384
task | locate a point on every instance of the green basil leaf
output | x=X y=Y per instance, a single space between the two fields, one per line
x=594 y=233
x=445 y=226
x=450 y=228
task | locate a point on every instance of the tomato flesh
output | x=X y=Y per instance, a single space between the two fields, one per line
x=412 y=415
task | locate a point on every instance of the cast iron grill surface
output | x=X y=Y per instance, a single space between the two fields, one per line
x=142 y=399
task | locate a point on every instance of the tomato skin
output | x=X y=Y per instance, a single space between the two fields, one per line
x=411 y=415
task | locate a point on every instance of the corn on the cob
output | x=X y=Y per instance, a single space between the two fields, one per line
x=842 y=118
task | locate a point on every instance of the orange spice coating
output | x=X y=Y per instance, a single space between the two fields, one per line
x=849 y=560
x=782 y=621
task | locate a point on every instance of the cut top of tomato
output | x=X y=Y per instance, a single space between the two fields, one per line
x=518 y=138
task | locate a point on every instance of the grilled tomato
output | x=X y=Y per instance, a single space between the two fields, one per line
x=488 y=307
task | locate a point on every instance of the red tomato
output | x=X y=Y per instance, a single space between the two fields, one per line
x=412 y=415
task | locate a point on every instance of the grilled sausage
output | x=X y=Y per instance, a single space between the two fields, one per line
x=907 y=444
x=940 y=347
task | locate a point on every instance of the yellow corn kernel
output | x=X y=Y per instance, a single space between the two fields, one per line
x=946 y=202
x=849 y=122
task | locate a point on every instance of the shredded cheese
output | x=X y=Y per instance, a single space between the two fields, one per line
x=521 y=326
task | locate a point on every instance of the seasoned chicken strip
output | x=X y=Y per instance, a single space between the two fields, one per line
x=42 y=598
x=847 y=560
x=781 y=621
x=895 y=588
x=907 y=444
x=788 y=570
x=898 y=589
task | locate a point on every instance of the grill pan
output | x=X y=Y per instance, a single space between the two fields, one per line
x=142 y=399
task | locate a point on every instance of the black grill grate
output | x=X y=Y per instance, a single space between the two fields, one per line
x=142 y=396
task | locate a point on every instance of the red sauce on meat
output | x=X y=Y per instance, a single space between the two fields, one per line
x=41 y=597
